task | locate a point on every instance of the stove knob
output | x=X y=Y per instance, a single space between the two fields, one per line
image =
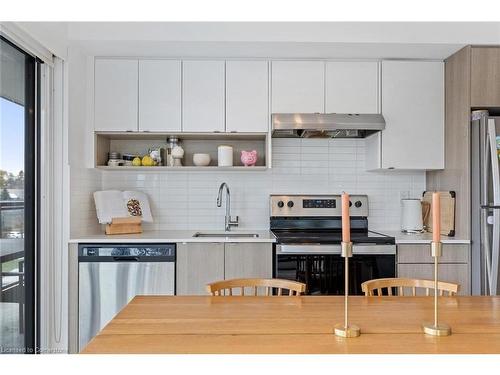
x=280 y=204
x=350 y=204
x=290 y=204
x=358 y=204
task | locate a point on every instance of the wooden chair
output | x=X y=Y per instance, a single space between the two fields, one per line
x=400 y=284
x=219 y=288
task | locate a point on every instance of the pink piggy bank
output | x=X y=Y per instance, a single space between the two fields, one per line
x=249 y=158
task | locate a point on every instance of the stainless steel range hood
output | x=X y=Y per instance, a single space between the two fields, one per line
x=330 y=125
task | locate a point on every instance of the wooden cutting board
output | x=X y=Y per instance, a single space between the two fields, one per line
x=447 y=199
x=125 y=225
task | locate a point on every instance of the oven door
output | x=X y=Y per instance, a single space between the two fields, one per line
x=321 y=267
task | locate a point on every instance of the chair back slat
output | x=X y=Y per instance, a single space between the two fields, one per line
x=294 y=288
x=368 y=287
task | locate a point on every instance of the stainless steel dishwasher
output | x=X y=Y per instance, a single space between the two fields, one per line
x=111 y=275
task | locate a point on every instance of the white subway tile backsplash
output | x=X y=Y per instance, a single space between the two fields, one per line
x=290 y=142
x=287 y=150
x=313 y=150
x=187 y=200
x=314 y=143
x=83 y=183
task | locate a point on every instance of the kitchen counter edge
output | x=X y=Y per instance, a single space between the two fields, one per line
x=264 y=237
x=172 y=237
x=420 y=238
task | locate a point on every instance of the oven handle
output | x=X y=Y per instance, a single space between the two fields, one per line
x=307 y=249
x=360 y=249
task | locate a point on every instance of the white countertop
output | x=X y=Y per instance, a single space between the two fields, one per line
x=153 y=236
x=172 y=236
x=422 y=238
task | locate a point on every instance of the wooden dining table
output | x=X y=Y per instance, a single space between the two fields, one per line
x=299 y=324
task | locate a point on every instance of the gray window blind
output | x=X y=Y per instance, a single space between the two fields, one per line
x=11 y=73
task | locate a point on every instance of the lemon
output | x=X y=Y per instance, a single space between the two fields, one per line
x=148 y=161
x=137 y=162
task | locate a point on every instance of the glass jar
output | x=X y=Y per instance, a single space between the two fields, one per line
x=172 y=141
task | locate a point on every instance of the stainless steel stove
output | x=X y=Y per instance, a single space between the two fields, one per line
x=308 y=229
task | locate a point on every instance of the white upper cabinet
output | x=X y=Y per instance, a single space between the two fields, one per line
x=160 y=95
x=298 y=86
x=352 y=87
x=247 y=96
x=116 y=92
x=203 y=100
x=413 y=108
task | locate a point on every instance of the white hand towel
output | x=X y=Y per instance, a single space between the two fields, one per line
x=109 y=204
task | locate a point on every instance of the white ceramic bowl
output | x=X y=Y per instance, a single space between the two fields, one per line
x=201 y=160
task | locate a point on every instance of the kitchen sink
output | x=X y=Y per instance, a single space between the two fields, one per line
x=226 y=234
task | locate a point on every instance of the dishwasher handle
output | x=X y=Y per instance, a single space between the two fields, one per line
x=126 y=259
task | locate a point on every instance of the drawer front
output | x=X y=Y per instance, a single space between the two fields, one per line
x=422 y=254
x=454 y=273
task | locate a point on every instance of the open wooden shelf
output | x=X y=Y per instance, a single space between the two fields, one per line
x=180 y=169
x=138 y=143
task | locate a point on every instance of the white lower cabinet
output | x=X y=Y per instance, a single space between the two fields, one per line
x=415 y=262
x=201 y=263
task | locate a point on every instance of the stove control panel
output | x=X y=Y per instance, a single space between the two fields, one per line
x=319 y=203
x=316 y=205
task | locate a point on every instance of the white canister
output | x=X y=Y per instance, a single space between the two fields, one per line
x=411 y=215
x=225 y=156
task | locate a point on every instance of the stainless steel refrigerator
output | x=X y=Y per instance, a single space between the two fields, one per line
x=485 y=202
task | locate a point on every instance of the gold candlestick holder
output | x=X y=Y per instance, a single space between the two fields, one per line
x=346 y=329
x=436 y=328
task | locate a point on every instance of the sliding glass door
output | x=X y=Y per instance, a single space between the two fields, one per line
x=18 y=199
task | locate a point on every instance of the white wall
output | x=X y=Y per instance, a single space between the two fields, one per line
x=83 y=181
x=182 y=200
x=309 y=40
x=300 y=39
x=311 y=32
x=52 y=35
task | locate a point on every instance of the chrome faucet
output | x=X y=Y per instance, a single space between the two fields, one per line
x=228 y=221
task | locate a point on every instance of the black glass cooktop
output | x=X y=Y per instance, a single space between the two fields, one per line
x=330 y=237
